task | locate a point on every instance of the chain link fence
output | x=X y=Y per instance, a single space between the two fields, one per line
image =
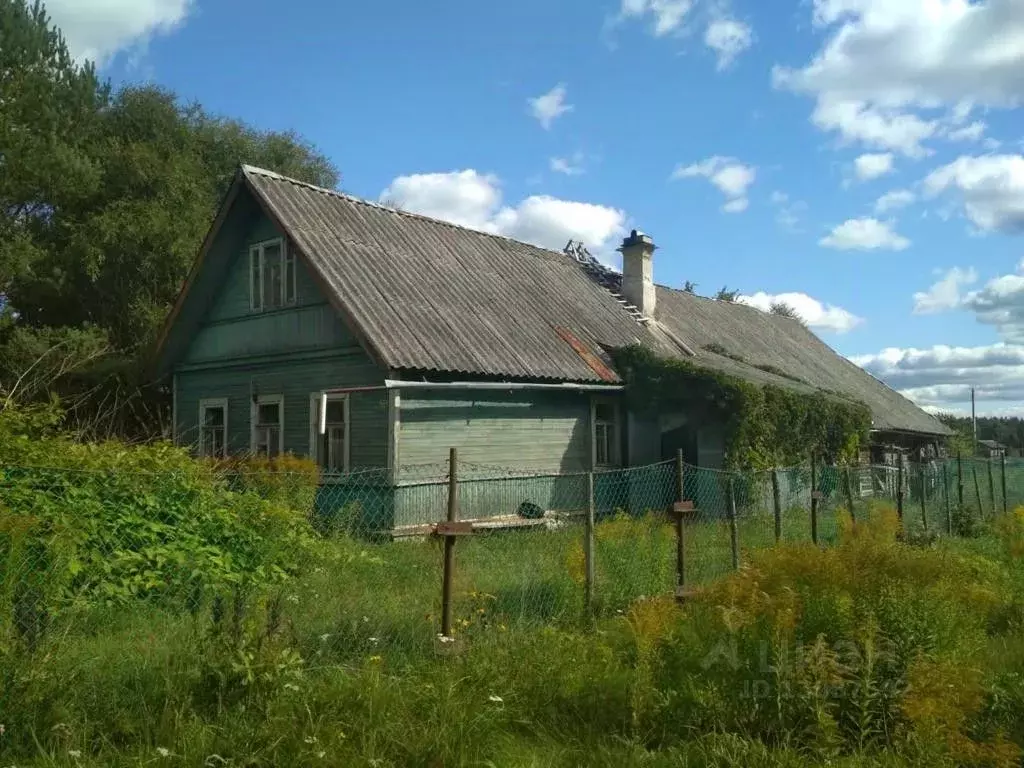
x=177 y=552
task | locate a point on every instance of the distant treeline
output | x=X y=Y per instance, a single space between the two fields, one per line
x=1008 y=430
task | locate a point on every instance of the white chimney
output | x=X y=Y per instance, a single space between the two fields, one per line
x=638 y=272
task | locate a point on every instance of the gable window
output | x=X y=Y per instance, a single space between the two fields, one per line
x=271 y=275
x=213 y=428
x=268 y=426
x=331 y=449
x=605 y=433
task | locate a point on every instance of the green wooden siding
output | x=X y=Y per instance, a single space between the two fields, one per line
x=230 y=329
x=519 y=429
x=295 y=381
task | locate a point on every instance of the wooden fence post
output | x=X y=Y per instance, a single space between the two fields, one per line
x=848 y=482
x=959 y=481
x=588 y=549
x=1002 y=479
x=991 y=487
x=449 y=544
x=777 y=505
x=899 y=487
x=680 y=522
x=733 y=530
x=945 y=496
x=814 y=497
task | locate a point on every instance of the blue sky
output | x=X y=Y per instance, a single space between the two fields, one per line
x=862 y=157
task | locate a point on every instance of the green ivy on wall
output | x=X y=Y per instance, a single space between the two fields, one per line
x=765 y=426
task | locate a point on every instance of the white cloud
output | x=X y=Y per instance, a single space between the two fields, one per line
x=813 y=312
x=945 y=293
x=870 y=166
x=731 y=177
x=857 y=121
x=1000 y=303
x=788 y=211
x=550 y=106
x=972 y=132
x=991 y=186
x=891 y=201
x=97 y=29
x=940 y=378
x=898 y=57
x=668 y=15
x=472 y=199
x=570 y=166
x=865 y=234
x=728 y=38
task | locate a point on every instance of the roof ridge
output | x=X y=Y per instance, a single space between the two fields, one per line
x=252 y=169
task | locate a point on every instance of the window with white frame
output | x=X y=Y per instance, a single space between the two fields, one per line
x=213 y=427
x=271 y=275
x=330 y=449
x=605 y=433
x=268 y=426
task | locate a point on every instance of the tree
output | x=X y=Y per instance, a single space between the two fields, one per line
x=724 y=294
x=104 y=201
x=689 y=287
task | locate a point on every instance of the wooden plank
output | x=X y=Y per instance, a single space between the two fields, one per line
x=460 y=528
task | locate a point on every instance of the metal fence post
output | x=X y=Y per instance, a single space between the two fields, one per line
x=588 y=548
x=680 y=523
x=991 y=487
x=959 y=481
x=777 y=505
x=899 y=486
x=734 y=535
x=814 y=497
x=1002 y=480
x=945 y=496
x=449 y=544
x=924 y=491
x=977 y=488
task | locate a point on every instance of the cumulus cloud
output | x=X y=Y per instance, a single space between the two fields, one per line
x=873 y=166
x=941 y=377
x=891 y=201
x=945 y=293
x=899 y=58
x=666 y=15
x=857 y=121
x=815 y=313
x=473 y=199
x=731 y=177
x=550 y=106
x=865 y=234
x=787 y=211
x=97 y=29
x=972 y=132
x=991 y=188
x=1000 y=303
x=728 y=38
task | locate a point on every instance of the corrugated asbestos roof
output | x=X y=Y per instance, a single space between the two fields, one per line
x=432 y=296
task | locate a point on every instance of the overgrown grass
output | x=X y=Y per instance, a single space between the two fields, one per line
x=873 y=651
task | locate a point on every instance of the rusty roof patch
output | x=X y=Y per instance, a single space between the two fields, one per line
x=597 y=365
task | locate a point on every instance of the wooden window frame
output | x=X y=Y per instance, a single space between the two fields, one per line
x=209 y=404
x=254 y=421
x=314 y=431
x=615 y=446
x=257 y=283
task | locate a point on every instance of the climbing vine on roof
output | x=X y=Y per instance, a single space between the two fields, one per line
x=765 y=425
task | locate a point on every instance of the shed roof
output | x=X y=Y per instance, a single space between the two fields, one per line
x=430 y=296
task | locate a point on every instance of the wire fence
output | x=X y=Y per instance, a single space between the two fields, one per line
x=447 y=554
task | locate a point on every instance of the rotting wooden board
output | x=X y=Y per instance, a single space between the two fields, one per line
x=462 y=528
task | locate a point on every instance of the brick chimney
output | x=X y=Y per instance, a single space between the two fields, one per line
x=638 y=272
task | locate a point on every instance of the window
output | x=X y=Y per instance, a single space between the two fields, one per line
x=271 y=275
x=213 y=427
x=605 y=417
x=331 y=449
x=268 y=426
